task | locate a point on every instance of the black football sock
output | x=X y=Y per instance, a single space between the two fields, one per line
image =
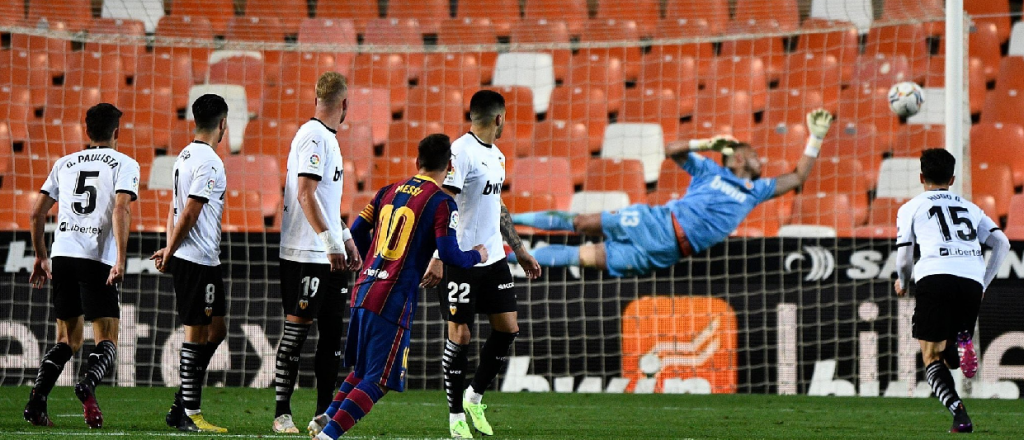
x=51 y=367
x=327 y=362
x=493 y=356
x=453 y=364
x=287 y=370
x=943 y=386
x=100 y=361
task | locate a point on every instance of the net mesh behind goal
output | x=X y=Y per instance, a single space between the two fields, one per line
x=594 y=91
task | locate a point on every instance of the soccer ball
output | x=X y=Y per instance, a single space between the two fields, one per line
x=906 y=99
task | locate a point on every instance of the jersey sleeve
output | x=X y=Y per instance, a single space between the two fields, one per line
x=446 y=218
x=456 y=177
x=905 y=225
x=128 y=180
x=311 y=156
x=369 y=212
x=764 y=189
x=51 y=187
x=698 y=165
x=985 y=228
x=204 y=181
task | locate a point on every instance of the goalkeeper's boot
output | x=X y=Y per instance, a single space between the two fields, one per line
x=91 y=409
x=283 y=424
x=476 y=412
x=460 y=429
x=176 y=413
x=35 y=410
x=197 y=423
x=317 y=424
x=961 y=421
x=968 y=358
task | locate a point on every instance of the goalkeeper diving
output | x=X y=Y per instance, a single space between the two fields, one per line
x=641 y=238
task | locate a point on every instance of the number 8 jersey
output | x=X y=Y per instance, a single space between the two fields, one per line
x=949 y=230
x=84 y=185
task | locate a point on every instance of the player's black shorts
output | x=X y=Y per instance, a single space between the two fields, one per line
x=199 y=291
x=465 y=292
x=946 y=305
x=80 y=288
x=312 y=291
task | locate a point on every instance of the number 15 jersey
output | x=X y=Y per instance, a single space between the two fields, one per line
x=85 y=185
x=949 y=231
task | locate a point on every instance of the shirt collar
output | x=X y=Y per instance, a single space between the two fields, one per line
x=480 y=141
x=333 y=131
x=427 y=178
x=95 y=147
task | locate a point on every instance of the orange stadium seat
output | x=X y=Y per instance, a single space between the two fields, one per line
x=270 y=137
x=607 y=31
x=405 y=33
x=349 y=187
x=993 y=179
x=133 y=142
x=16 y=111
x=883 y=211
x=861 y=142
x=520 y=202
x=868 y=105
x=991 y=11
x=728 y=112
x=518 y=114
x=474 y=32
x=242 y=70
x=502 y=13
x=814 y=72
x=288 y=103
x=75 y=14
x=359 y=11
x=543 y=31
x=558 y=138
x=714 y=12
x=149 y=212
x=781 y=141
x=46 y=54
x=130 y=41
x=198 y=29
x=912 y=9
x=69 y=104
x=12 y=13
x=839 y=39
x=703 y=53
x=436 y=104
x=338 y=33
x=790 y=105
x=6 y=149
x=820 y=209
x=983 y=44
x=94 y=69
x=582 y=104
x=249 y=28
x=360 y=200
x=369 y=106
x=734 y=74
x=785 y=12
x=766 y=217
x=1015 y=218
x=259 y=173
x=56 y=139
x=29 y=171
x=1005 y=106
x=291 y=13
x=429 y=13
x=600 y=71
x=908 y=40
x=356 y=144
x=770 y=50
x=28 y=74
x=976 y=93
x=388 y=71
x=301 y=70
x=657 y=106
x=987 y=204
x=1009 y=77
x=881 y=70
x=387 y=170
x=18 y=207
x=836 y=176
x=243 y=211
x=573 y=12
x=451 y=70
x=645 y=13
x=150 y=108
x=666 y=71
x=617 y=175
x=218 y=12
x=673 y=177
x=999 y=143
x=544 y=175
x=166 y=70
x=404 y=137
x=911 y=140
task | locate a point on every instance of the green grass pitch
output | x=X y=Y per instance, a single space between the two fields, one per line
x=247 y=413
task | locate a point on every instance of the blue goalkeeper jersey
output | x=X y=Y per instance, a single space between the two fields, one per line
x=716 y=202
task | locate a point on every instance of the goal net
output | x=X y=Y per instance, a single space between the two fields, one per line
x=798 y=300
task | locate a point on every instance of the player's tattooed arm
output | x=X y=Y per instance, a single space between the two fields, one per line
x=508 y=232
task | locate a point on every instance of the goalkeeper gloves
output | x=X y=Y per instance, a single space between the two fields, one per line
x=721 y=144
x=818 y=123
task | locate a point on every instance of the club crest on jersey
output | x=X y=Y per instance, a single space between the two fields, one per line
x=209 y=311
x=185 y=155
x=749 y=184
x=453 y=309
x=303 y=304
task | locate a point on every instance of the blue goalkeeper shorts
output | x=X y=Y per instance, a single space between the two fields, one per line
x=639 y=239
x=377 y=349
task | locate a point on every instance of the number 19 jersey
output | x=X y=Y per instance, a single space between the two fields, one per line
x=84 y=185
x=949 y=231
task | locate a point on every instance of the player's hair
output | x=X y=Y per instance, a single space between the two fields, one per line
x=435 y=151
x=485 y=105
x=736 y=146
x=208 y=110
x=101 y=120
x=331 y=87
x=937 y=166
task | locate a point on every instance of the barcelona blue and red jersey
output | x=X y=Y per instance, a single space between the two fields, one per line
x=410 y=220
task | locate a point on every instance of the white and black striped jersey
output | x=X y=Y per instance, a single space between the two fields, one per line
x=199 y=174
x=84 y=185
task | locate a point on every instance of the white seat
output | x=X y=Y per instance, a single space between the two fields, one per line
x=593 y=202
x=148 y=12
x=238 y=109
x=859 y=12
x=221 y=55
x=644 y=142
x=1017 y=40
x=807 y=231
x=533 y=70
x=899 y=177
x=933 y=111
x=160 y=174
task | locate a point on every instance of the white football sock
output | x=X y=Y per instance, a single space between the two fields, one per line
x=472 y=396
x=452 y=418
